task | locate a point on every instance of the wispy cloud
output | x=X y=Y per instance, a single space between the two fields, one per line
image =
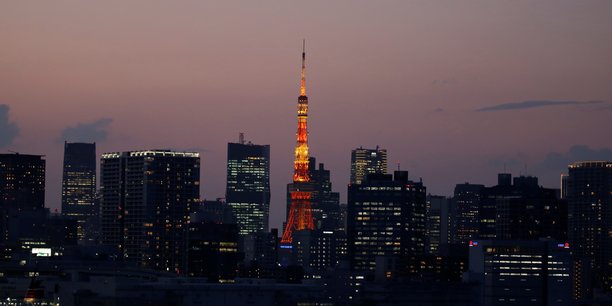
x=8 y=130
x=444 y=81
x=87 y=132
x=533 y=104
x=557 y=162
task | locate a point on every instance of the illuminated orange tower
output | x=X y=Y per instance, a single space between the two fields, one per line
x=300 y=214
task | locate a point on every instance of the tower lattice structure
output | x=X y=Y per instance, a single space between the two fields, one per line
x=300 y=214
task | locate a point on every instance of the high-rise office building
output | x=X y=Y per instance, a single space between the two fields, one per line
x=367 y=161
x=386 y=217
x=216 y=211
x=515 y=272
x=22 y=181
x=522 y=211
x=439 y=223
x=147 y=197
x=248 y=185
x=589 y=196
x=26 y=226
x=213 y=251
x=22 y=187
x=79 y=187
x=467 y=200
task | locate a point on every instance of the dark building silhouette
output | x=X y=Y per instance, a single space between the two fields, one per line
x=26 y=225
x=147 y=197
x=317 y=251
x=515 y=272
x=22 y=188
x=367 y=161
x=213 y=251
x=467 y=200
x=261 y=256
x=79 y=187
x=522 y=211
x=386 y=217
x=589 y=195
x=40 y=233
x=248 y=185
x=439 y=223
x=22 y=181
x=217 y=211
x=325 y=203
x=504 y=179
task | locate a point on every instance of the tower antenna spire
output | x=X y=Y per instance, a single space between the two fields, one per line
x=303 y=82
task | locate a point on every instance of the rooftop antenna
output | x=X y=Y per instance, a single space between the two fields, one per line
x=303 y=81
x=241 y=138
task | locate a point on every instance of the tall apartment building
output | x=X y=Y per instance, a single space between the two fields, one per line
x=589 y=196
x=22 y=188
x=146 y=200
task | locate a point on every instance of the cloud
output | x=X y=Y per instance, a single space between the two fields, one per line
x=556 y=162
x=533 y=104
x=191 y=149
x=8 y=130
x=444 y=81
x=87 y=132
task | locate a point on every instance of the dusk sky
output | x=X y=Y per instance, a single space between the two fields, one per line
x=452 y=89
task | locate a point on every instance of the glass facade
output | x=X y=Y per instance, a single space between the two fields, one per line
x=248 y=186
x=367 y=161
x=79 y=187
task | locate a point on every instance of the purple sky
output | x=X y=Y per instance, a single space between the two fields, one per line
x=453 y=89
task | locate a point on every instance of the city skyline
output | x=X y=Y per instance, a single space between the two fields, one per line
x=522 y=88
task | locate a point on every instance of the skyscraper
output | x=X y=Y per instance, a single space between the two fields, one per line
x=325 y=202
x=589 y=196
x=79 y=187
x=300 y=214
x=22 y=181
x=367 y=161
x=515 y=272
x=467 y=200
x=521 y=210
x=147 y=197
x=439 y=223
x=386 y=217
x=22 y=187
x=248 y=185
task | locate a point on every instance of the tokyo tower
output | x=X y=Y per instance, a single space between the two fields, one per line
x=300 y=214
